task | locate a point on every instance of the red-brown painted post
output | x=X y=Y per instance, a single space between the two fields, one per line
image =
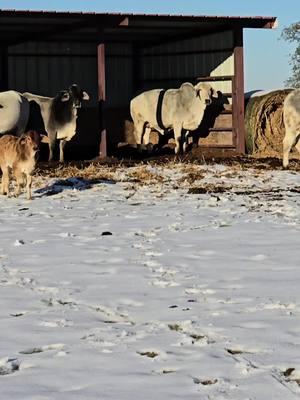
x=102 y=99
x=238 y=91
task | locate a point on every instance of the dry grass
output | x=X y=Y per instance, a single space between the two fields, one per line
x=151 y=172
x=87 y=171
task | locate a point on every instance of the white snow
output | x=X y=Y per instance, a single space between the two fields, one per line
x=184 y=296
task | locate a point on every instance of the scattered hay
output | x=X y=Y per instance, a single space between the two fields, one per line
x=149 y=354
x=209 y=189
x=205 y=382
x=92 y=171
x=150 y=172
x=175 y=327
x=145 y=176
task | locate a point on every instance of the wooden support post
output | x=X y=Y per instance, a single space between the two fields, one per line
x=102 y=100
x=3 y=68
x=238 y=91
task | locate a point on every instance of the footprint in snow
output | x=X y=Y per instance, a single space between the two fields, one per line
x=19 y=242
x=9 y=365
x=66 y=235
x=164 y=283
x=152 y=264
x=41 y=349
x=153 y=254
x=58 y=323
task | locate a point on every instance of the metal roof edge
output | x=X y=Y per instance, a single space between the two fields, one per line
x=270 y=19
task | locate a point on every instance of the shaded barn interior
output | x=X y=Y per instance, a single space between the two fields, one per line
x=116 y=56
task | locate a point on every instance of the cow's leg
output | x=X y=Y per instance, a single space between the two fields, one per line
x=52 y=141
x=146 y=139
x=51 y=149
x=288 y=142
x=28 y=186
x=139 y=132
x=177 y=137
x=5 y=181
x=185 y=143
x=297 y=145
x=20 y=181
x=62 y=144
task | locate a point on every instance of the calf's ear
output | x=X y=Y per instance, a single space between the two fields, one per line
x=22 y=139
x=65 y=96
x=33 y=135
x=85 y=96
x=45 y=139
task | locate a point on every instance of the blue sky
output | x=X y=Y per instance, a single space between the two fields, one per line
x=266 y=56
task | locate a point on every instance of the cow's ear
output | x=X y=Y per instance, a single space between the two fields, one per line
x=45 y=139
x=85 y=96
x=187 y=93
x=214 y=93
x=65 y=96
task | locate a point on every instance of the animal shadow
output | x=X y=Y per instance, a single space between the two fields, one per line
x=74 y=183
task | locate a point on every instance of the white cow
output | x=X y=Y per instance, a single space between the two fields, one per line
x=14 y=113
x=176 y=109
x=291 y=118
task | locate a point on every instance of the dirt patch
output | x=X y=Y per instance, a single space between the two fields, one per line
x=209 y=189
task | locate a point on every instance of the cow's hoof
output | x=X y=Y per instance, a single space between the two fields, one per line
x=149 y=147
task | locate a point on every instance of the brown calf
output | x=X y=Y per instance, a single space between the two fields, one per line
x=19 y=154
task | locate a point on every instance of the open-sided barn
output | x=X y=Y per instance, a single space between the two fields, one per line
x=115 y=56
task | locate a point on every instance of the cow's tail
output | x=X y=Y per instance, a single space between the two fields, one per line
x=159 y=109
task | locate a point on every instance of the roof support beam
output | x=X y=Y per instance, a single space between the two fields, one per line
x=109 y=22
x=102 y=99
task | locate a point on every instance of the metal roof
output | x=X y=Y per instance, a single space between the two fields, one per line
x=246 y=19
x=18 y=26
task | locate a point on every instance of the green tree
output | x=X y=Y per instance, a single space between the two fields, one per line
x=292 y=34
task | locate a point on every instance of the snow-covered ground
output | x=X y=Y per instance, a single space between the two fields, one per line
x=152 y=289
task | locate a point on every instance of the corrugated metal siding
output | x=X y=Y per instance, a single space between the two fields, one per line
x=46 y=68
x=119 y=86
x=188 y=59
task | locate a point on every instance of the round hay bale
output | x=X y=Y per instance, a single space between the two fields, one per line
x=264 y=124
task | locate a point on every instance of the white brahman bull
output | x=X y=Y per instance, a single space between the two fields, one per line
x=58 y=115
x=14 y=113
x=291 y=118
x=177 y=109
